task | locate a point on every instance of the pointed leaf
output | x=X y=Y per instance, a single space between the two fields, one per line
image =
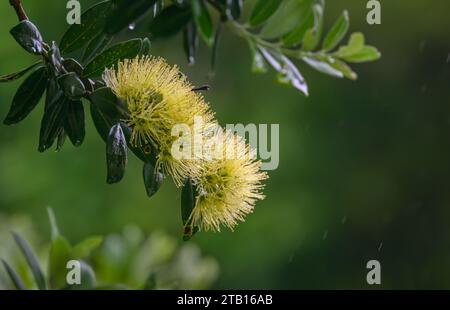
x=337 y=32
x=17 y=75
x=60 y=254
x=92 y=23
x=125 y=12
x=96 y=46
x=85 y=247
x=14 y=276
x=53 y=224
x=170 y=21
x=27 y=96
x=110 y=57
x=28 y=36
x=152 y=179
x=53 y=119
x=32 y=261
x=263 y=10
x=203 y=21
x=116 y=154
x=74 y=125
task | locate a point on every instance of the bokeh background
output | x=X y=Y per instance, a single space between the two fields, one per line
x=364 y=166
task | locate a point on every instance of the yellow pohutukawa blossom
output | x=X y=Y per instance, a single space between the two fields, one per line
x=228 y=185
x=158 y=97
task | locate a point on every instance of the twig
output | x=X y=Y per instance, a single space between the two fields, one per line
x=17 y=5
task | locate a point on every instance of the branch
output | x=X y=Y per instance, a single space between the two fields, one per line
x=17 y=5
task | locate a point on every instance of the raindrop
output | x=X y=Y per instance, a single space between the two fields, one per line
x=132 y=26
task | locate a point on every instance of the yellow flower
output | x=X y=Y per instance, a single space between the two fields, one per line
x=158 y=97
x=228 y=185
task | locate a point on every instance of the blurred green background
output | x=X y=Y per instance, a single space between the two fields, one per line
x=364 y=166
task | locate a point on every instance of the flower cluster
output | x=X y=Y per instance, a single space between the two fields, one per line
x=158 y=98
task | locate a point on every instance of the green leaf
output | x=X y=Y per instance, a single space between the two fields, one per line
x=53 y=119
x=331 y=66
x=110 y=57
x=16 y=75
x=96 y=46
x=357 y=51
x=53 y=223
x=287 y=71
x=92 y=23
x=337 y=32
x=74 y=123
x=116 y=154
x=60 y=254
x=188 y=201
x=71 y=85
x=312 y=36
x=366 y=54
x=296 y=36
x=28 y=36
x=259 y=65
x=71 y=65
x=27 y=96
x=355 y=44
x=85 y=247
x=61 y=139
x=150 y=283
x=286 y=18
x=146 y=47
x=170 y=21
x=203 y=21
x=31 y=260
x=152 y=179
x=125 y=12
x=190 y=40
x=13 y=275
x=263 y=10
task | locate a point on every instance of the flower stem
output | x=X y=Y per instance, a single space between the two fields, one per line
x=17 y=5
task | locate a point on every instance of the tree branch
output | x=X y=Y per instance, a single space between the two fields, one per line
x=17 y=5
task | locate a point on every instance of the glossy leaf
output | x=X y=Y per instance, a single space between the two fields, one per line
x=203 y=21
x=31 y=260
x=170 y=21
x=27 y=96
x=17 y=75
x=125 y=12
x=337 y=32
x=263 y=10
x=330 y=66
x=53 y=119
x=116 y=154
x=92 y=23
x=71 y=65
x=152 y=179
x=112 y=56
x=96 y=46
x=28 y=36
x=71 y=85
x=14 y=276
x=74 y=123
x=357 y=51
x=188 y=200
x=190 y=40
